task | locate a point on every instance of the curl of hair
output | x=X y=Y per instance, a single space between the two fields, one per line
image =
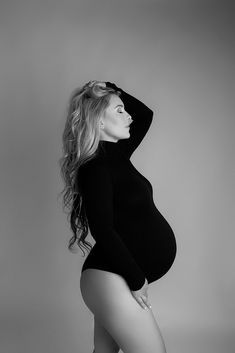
x=80 y=141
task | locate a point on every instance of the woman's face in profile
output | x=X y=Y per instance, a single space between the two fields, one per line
x=115 y=121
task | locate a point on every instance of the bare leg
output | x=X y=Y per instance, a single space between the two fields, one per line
x=103 y=341
x=127 y=324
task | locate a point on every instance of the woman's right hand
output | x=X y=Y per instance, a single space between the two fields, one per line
x=93 y=83
x=141 y=296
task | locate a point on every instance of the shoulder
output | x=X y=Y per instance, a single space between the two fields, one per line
x=93 y=176
x=94 y=167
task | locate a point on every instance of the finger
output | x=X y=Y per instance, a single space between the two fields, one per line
x=146 y=301
x=142 y=302
x=91 y=83
x=148 y=305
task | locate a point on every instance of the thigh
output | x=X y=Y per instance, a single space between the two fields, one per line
x=103 y=341
x=109 y=298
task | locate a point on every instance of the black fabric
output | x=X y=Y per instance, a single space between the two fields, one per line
x=132 y=237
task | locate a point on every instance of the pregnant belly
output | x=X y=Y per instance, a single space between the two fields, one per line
x=159 y=250
x=153 y=246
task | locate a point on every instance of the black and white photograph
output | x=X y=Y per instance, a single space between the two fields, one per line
x=117 y=135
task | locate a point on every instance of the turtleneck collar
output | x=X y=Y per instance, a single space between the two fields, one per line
x=108 y=143
x=109 y=146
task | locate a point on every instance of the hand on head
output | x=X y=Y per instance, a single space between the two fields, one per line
x=95 y=82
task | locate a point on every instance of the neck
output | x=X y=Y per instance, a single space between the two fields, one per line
x=108 y=141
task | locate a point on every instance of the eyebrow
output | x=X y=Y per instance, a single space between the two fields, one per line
x=119 y=105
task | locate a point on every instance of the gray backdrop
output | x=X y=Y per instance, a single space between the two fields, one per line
x=176 y=56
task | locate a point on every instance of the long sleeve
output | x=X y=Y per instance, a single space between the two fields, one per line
x=142 y=118
x=97 y=194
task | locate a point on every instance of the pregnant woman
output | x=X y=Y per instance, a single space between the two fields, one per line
x=134 y=244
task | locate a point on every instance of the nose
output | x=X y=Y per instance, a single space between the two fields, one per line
x=130 y=119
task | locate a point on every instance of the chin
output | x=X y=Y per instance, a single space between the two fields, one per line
x=124 y=137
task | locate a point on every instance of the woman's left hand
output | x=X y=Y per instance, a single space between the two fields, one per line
x=95 y=82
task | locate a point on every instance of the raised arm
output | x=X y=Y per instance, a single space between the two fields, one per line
x=142 y=118
x=97 y=194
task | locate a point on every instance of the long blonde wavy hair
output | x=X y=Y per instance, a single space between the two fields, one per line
x=80 y=141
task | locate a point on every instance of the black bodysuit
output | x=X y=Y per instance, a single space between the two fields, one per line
x=132 y=237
